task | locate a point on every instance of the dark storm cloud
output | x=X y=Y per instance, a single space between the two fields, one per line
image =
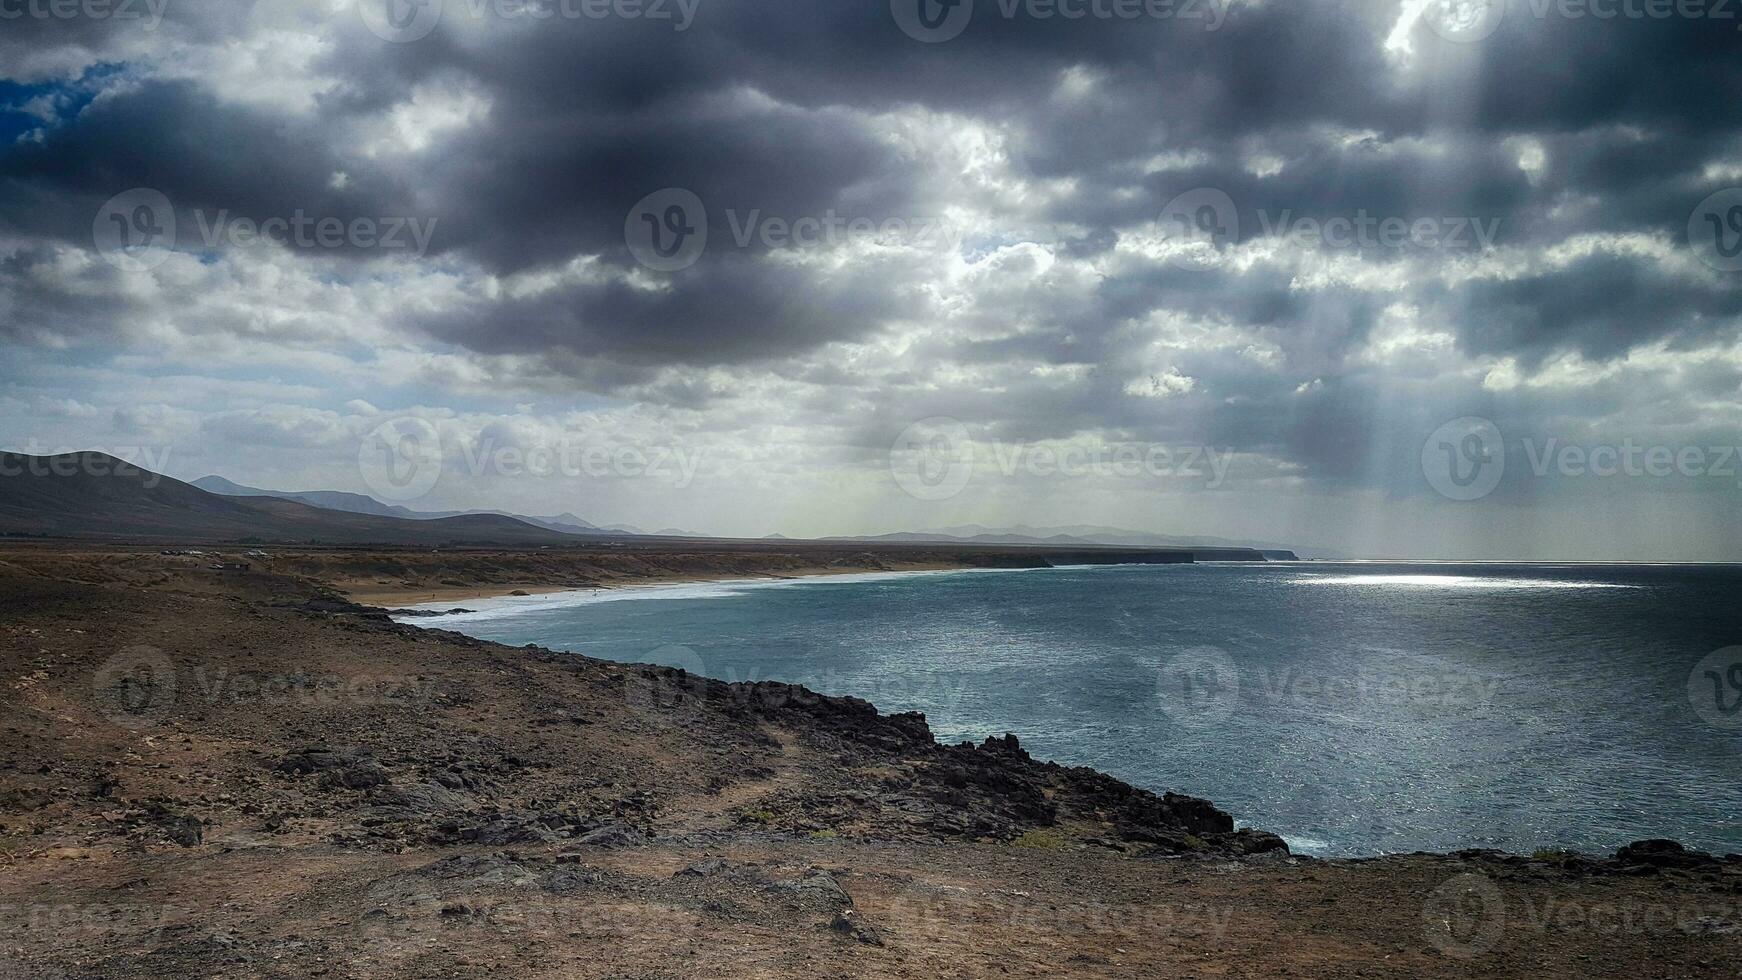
x=534 y=191
x=1601 y=306
x=1552 y=128
x=201 y=153
x=726 y=311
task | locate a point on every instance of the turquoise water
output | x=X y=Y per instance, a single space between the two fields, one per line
x=1356 y=709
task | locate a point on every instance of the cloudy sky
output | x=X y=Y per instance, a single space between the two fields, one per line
x=1435 y=278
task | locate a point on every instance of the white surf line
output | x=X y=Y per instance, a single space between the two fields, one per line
x=496 y=607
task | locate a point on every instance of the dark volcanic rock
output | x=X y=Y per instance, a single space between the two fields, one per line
x=318 y=759
x=1663 y=854
x=516 y=829
x=993 y=790
x=425 y=801
x=1255 y=842
x=364 y=775
x=703 y=869
x=821 y=885
x=180 y=828
x=847 y=924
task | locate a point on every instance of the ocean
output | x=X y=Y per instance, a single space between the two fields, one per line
x=1354 y=708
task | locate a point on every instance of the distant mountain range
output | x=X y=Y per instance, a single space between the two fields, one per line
x=94 y=495
x=357 y=503
x=1079 y=534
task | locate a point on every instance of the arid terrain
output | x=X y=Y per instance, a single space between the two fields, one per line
x=244 y=773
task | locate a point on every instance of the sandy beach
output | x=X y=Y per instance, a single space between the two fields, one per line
x=389 y=597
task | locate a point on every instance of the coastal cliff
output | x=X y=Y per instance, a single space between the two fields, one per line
x=243 y=772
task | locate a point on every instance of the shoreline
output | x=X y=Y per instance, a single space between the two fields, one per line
x=301 y=779
x=424 y=598
x=402 y=596
x=435 y=615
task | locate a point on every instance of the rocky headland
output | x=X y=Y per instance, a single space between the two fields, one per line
x=223 y=772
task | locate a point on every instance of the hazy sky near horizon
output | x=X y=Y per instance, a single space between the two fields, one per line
x=1414 y=278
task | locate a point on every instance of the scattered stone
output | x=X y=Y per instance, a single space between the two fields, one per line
x=362 y=776
x=425 y=801
x=703 y=869
x=508 y=831
x=612 y=835
x=317 y=759
x=818 y=883
x=848 y=925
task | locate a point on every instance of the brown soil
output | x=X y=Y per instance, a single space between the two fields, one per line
x=241 y=774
